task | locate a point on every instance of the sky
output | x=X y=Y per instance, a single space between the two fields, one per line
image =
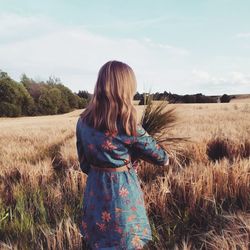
x=179 y=46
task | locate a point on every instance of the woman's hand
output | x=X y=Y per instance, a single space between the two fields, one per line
x=136 y=165
x=167 y=163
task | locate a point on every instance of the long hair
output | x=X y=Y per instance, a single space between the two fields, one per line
x=112 y=101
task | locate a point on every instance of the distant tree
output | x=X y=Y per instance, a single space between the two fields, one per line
x=64 y=107
x=189 y=99
x=8 y=90
x=26 y=81
x=14 y=97
x=159 y=96
x=53 y=80
x=9 y=109
x=30 y=97
x=3 y=74
x=26 y=102
x=199 y=98
x=50 y=101
x=84 y=94
x=137 y=96
x=36 y=89
x=225 y=98
x=69 y=99
x=82 y=102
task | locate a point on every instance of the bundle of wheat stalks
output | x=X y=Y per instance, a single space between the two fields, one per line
x=158 y=119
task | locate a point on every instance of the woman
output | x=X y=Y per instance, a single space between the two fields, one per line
x=108 y=137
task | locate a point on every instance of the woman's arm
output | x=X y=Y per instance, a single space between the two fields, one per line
x=80 y=152
x=145 y=147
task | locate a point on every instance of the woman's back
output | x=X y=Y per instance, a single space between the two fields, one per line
x=102 y=148
x=114 y=214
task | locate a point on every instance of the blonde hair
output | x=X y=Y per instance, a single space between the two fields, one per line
x=112 y=100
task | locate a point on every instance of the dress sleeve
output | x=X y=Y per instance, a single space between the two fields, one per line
x=80 y=152
x=146 y=148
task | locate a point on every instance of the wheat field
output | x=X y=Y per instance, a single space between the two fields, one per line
x=200 y=201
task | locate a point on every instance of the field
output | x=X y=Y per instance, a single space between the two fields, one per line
x=201 y=201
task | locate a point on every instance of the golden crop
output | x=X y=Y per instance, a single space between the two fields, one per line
x=203 y=202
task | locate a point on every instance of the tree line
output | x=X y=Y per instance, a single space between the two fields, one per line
x=30 y=98
x=175 y=98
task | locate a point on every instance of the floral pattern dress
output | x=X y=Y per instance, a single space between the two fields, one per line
x=114 y=214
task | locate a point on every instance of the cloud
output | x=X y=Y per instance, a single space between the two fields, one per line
x=201 y=75
x=41 y=47
x=131 y=24
x=15 y=28
x=234 y=82
x=240 y=78
x=171 y=49
x=243 y=35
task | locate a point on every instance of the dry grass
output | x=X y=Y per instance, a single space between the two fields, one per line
x=201 y=201
x=241 y=99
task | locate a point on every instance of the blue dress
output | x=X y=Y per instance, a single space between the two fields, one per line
x=114 y=214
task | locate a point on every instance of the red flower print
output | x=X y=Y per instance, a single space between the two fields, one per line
x=106 y=216
x=155 y=155
x=131 y=217
x=123 y=192
x=111 y=134
x=91 y=147
x=118 y=229
x=158 y=146
x=108 y=145
x=145 y=231
x=107 y=197
x=140 y=202
x=127 y=141
x=133 y=208
x=101 y=226
x=84 y=225
x=136 y=241
x=118 y=210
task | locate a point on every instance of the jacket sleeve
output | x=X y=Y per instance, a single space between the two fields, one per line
x=80 y=152
x=145 y=147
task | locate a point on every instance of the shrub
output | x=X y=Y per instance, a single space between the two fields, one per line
x=45 y=105
x=15 y=98
x=82 y=102
x=218 y=148
x=84 y=95
x=225 y=98
x=9 y=109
